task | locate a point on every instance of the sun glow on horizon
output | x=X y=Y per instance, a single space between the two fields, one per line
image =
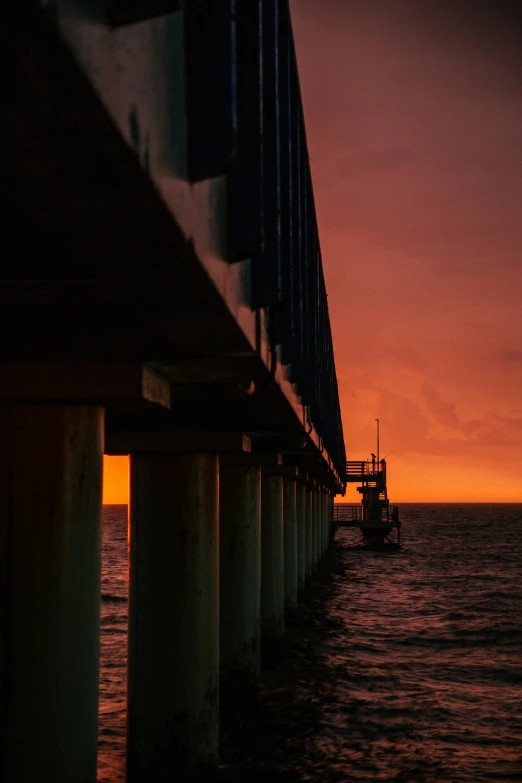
x=115 y=480
x=410 y=480
x=430 y=479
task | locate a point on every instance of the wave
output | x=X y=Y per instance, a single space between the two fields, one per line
x=115 y=598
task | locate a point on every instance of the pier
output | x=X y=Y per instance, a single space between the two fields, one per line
x=162 y=295
x=375 y=517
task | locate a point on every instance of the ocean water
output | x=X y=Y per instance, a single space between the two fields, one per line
x=414 y=668
x=113 y=663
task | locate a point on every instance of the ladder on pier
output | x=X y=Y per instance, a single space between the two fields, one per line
x=375 y=517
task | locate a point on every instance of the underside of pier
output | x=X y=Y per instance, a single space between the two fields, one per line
x=162 y=296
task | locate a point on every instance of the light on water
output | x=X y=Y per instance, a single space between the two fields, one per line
x=113 y=674
x=418 y=655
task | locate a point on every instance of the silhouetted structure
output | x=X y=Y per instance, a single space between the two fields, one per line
x=375 y=517
x=162 y=295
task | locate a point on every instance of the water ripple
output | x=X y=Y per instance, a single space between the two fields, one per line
x=406 y=666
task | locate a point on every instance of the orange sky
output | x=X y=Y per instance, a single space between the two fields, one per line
x=115 y=479
x=413 y=112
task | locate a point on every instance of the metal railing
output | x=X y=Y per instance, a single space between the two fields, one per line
x=366 y=471
x=246 y=121
x=356 y=513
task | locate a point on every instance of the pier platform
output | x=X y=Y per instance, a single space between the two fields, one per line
x=375 y=517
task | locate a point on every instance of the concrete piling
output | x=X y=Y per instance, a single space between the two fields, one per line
x=322 y=512
x=301 y=534
x=319 y=526
x=173 y=669
x=50 y=555
x=272 y=565
x=239 y=582
x=290 y=543
x=326 y=520
x=315 y=531
x=308 y=531
x=319 y=514
x=328 y=517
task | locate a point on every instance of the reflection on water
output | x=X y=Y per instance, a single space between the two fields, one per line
x=113 y=674
x=428 y=659
x=404 y=666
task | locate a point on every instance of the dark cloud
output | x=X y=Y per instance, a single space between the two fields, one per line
x=512 y=356
x=443 y=412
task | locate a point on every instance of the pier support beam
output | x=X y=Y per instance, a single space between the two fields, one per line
x=319 y=515
x=308 y=531
x=290 y=543
x=322 y=505
x=172 y=723
x=326 y=507
x=315 y=531
x=272 y=565
x=320 y=549
x=50 y=555
x=326 y=520
x=239 y=582
x=301 y=534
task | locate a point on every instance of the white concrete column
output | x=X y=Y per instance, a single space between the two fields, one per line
x=325 y=520
x=272 y=564
x=320 y=532
x=239 y=582
x=172 y=720
x=301 y=535
x=50 y=556
x=320 y=520
x=330 y=512
x=317 y=526
x=290 y=542
x=324 y=544
x=308 y=530
x=315 y=530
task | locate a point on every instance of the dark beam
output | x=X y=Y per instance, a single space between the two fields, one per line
x=124 y=12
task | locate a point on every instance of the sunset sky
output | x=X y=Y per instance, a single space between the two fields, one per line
x=413 y=112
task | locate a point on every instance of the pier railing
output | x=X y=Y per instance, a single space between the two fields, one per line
x=347 y=513
x=361 y=471
x=271 y=216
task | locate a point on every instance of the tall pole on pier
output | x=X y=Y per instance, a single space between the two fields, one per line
x=378 y=455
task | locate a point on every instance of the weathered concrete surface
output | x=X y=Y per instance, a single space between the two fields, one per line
x=301 y=535
x=322 y=523
x=173 y=680
x=272 y=564
x=308 y=531
x=50 y=550
x=315 y=530
x=239 y=582
x=290 y=543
